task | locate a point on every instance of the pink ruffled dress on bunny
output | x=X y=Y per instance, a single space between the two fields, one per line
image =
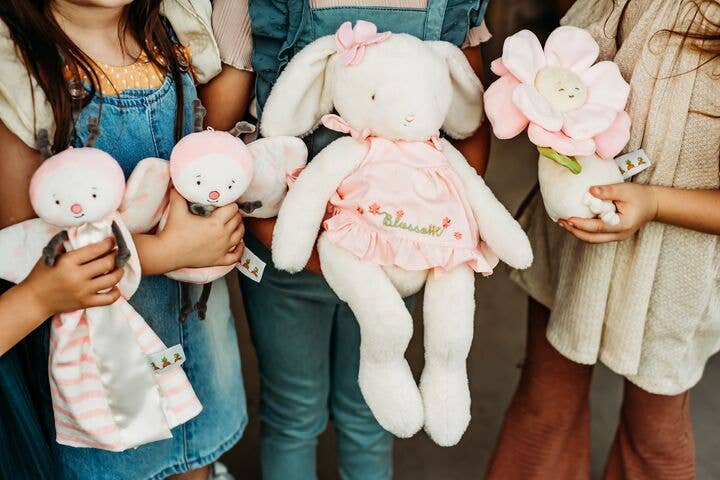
x=404 y=206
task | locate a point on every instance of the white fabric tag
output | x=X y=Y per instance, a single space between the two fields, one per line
x=167 y=359
x=633 y=163
x=251 y=266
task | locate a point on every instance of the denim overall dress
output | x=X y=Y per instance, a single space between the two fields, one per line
x=134 y=125
x=307 y=340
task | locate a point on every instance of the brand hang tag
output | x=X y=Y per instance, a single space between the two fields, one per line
x=251 y=266
x=633 y=163
x=167 y=359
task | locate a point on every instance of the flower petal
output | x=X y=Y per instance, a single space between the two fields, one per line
x=344 y=37
x=572 y=48
x=498 y=68
x=560 y=142
x=364 y=31
x=506 y=119
x=606 y=85
x=588 y=121
x=523 y=55
x=536 y=108
x=611 y=142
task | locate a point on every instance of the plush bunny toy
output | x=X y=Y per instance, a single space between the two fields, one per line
x=211 y=169
x=405 y=208
x=572 y=110
x=107 y=390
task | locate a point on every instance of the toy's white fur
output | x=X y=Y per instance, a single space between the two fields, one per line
x=400 y=78
x=561 y=188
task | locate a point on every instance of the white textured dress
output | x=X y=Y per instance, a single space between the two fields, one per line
x=647 y=307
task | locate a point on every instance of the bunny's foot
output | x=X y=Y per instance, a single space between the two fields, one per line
x=385 y=379
x=449 y=313
x=605 y=209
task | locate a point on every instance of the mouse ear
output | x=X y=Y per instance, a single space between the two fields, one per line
x=93 y=130
x=241 y=128
x=43 y=144
x=198 y=115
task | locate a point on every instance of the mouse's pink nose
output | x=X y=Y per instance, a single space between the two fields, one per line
x=76 y=208
x=410 y=118
x=214 y=195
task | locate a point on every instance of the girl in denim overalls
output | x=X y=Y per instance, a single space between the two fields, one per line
x=307 y=340
x=137 y=112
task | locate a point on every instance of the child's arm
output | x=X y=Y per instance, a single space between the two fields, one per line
x=476 y=148
x=71 y=284
x=638 y=204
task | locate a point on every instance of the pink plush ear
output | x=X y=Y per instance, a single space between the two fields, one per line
x=209 y=142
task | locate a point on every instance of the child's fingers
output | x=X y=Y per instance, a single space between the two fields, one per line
x=109 y=280
x=590 y=237
x=91 y=252
x=617 y=191
x=234 y=222
x=236 y=237
x=226 y=213
x=231 y=258
x=101 y=265
x=102 y=299
x=593 y=225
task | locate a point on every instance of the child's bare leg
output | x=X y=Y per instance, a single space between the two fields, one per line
x=385 y=328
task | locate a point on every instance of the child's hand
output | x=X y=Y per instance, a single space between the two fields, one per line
x=76 y=278
x=636 y=205
x=203 y=241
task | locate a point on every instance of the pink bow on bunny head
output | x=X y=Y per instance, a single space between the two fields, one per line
x=351 y=42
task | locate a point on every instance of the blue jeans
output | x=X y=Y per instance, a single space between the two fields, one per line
x=308 y=347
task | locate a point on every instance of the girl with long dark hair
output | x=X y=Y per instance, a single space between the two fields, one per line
x=122 y=61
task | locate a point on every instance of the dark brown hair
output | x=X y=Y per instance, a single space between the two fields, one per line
x=46 y=50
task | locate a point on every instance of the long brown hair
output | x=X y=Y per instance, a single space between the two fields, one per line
x=46 y=51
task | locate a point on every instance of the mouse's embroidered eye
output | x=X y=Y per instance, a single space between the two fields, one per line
x=57 y=202
x=229 y=187
x=372 y=97
x=198 y=182
x=561 y=90
x=94 y=195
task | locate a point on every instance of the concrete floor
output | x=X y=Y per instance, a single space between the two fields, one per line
x=497 y=349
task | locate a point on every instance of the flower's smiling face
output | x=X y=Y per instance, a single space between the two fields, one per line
x=77 y=186
x=212 y=180
x=563 y=89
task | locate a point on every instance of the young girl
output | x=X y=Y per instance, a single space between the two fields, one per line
x=643 y=297
x=307 y=340
x=65 y=61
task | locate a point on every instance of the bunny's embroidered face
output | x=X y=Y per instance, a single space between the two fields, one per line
x=211 y=168
x=393 y=86
x=77 y=186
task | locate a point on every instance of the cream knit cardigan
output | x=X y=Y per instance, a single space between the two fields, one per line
x=647 y=307
x=191 y=21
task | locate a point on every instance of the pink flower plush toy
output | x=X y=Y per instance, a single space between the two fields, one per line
x=397 y=207
x=105 y=392
x=573 y=110
x=211 y=169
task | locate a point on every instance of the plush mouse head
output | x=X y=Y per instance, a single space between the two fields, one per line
x=210 y=167
x=389 y=85
x=76 y=186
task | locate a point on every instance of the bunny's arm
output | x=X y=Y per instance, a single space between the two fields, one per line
x=54 y=247
x=497 y=227
x=304 y=208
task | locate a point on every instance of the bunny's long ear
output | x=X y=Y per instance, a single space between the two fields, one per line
x=302 y=93
x=466 y=108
